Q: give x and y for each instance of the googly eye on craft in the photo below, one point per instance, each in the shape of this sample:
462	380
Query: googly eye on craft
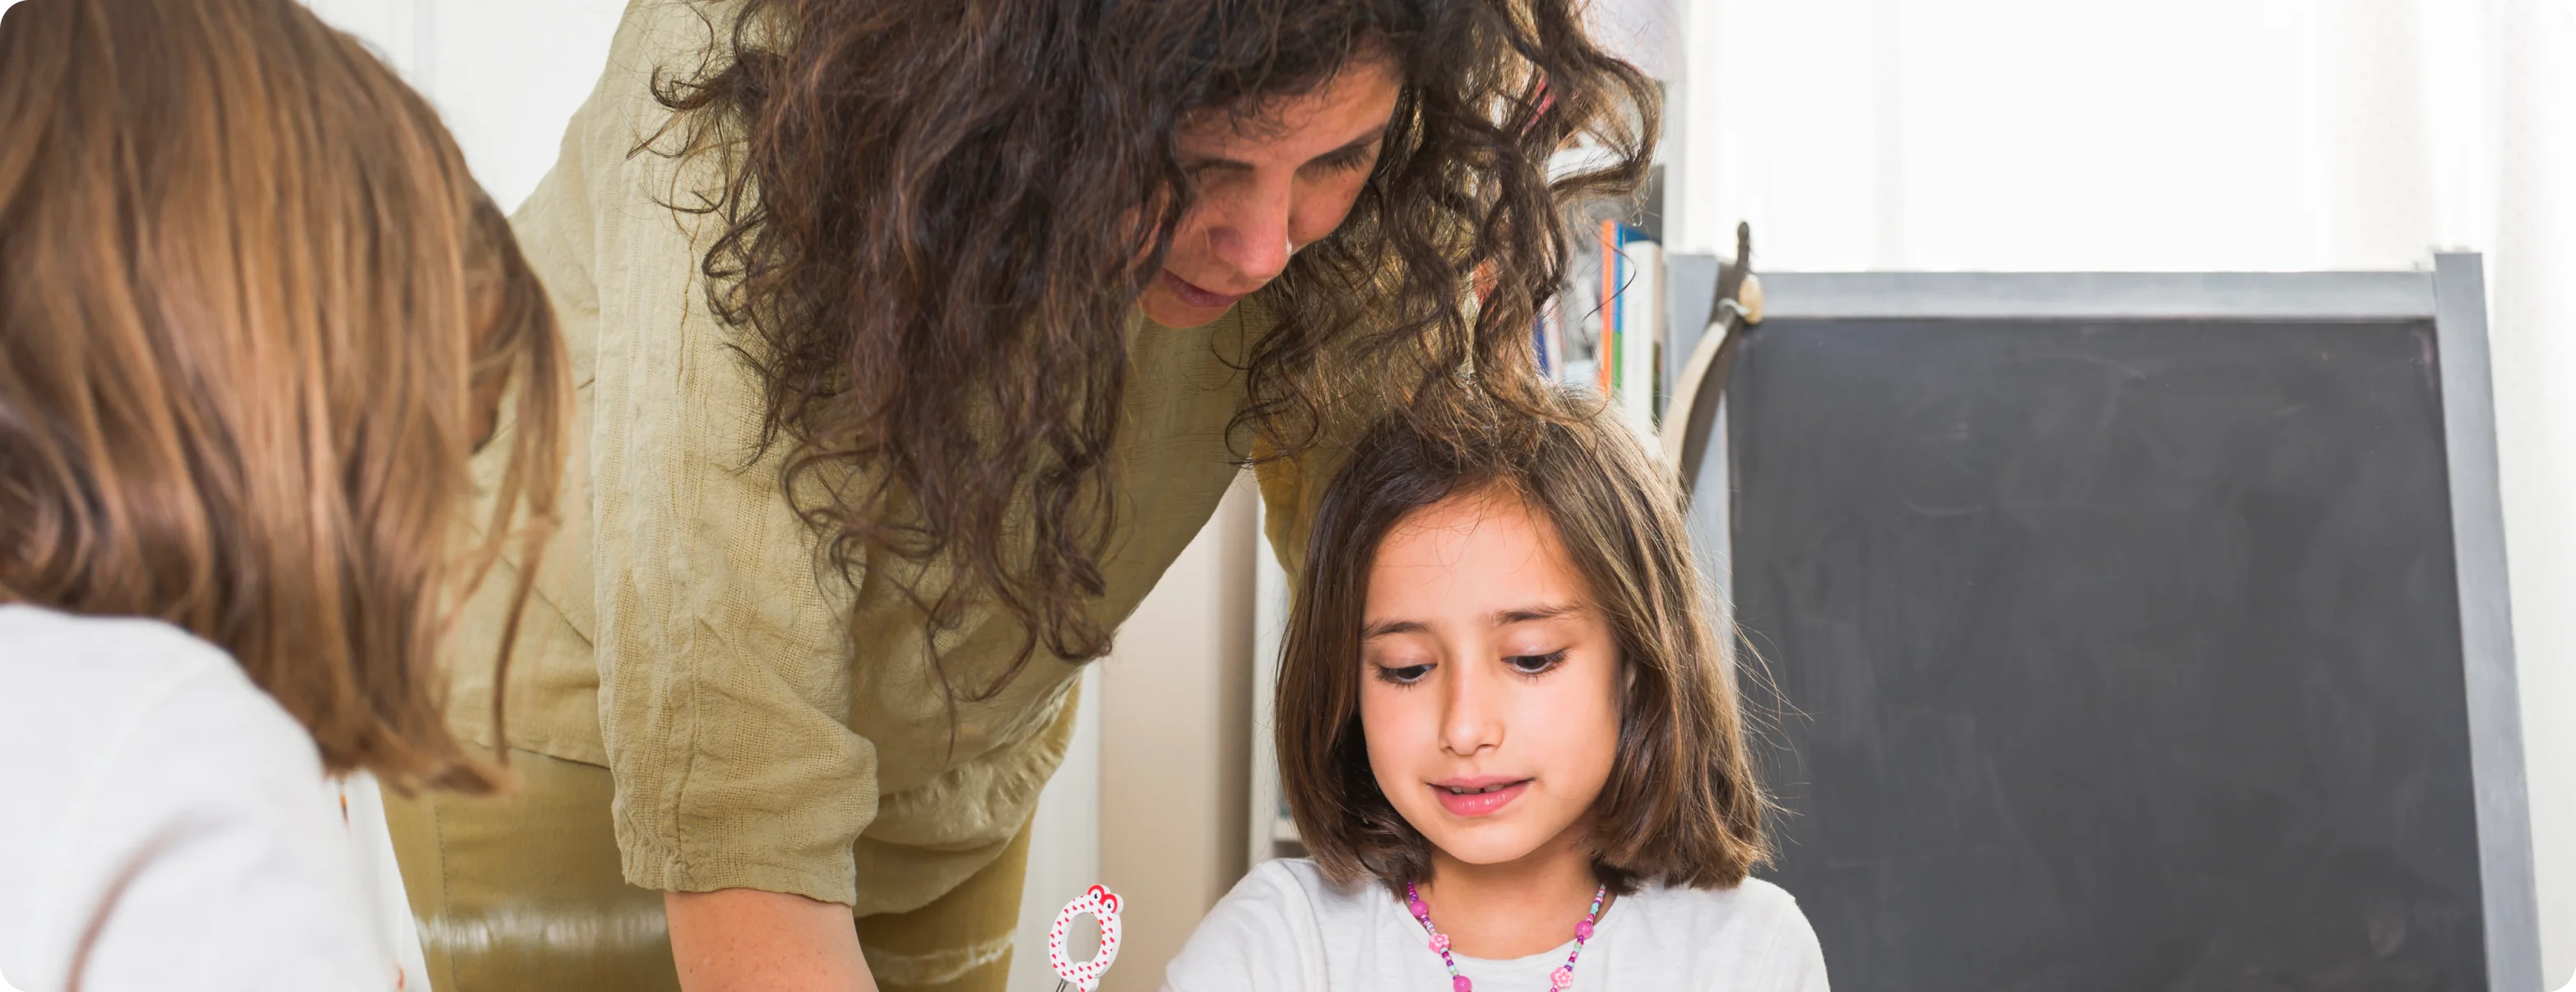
1102	905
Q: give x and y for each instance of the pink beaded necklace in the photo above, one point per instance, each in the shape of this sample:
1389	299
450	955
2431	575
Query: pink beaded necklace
1559	979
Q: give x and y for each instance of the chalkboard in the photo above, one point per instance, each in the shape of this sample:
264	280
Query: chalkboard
2130	633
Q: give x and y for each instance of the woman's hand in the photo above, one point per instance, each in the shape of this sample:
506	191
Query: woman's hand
747	940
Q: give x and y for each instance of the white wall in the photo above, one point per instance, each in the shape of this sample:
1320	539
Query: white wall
2534	329
1176	705
506	74
1064	844
2184	135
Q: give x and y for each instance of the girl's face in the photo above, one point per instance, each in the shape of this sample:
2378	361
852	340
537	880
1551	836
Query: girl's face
1268	188
1488	681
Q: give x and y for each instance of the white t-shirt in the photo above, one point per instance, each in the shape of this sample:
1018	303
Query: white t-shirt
161	808
1284	927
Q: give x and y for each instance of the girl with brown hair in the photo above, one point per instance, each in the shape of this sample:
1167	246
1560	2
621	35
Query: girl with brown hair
915	340
254	316
1509	733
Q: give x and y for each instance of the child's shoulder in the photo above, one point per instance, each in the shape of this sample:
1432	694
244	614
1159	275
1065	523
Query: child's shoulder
1753	925
1292	899
104	680
1753	895
1273	931
1301	881
1754	908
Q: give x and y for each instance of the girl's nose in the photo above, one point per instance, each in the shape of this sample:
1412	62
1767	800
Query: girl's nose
1469	721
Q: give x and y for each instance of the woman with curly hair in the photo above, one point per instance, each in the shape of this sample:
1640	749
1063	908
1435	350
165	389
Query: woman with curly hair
913	342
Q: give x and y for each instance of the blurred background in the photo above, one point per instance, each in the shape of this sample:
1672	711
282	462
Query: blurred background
1857	135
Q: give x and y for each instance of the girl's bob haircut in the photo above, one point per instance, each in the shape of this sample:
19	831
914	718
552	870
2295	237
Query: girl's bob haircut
254	315
1682	806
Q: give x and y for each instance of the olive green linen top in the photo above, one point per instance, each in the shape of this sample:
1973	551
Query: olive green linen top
769	725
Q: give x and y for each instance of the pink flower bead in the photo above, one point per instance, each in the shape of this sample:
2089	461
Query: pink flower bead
1583	930
1461	984
1562	977
1440	942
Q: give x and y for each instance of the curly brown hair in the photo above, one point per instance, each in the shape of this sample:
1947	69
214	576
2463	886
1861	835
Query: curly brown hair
938	219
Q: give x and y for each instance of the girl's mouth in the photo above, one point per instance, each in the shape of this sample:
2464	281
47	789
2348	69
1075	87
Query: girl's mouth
1478	798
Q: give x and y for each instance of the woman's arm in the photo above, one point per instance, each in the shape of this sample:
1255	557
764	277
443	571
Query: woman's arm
747	940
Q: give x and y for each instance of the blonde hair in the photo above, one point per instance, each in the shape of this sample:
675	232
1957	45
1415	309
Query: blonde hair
249	296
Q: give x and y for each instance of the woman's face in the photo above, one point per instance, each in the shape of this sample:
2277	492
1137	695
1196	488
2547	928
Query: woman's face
1487	681
1267	187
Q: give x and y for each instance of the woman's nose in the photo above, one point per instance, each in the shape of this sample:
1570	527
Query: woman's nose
1252	237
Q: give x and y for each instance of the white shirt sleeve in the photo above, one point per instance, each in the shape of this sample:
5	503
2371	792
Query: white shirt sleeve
361	802
212	864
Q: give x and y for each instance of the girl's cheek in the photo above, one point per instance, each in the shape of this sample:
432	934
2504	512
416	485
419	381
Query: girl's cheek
1598	741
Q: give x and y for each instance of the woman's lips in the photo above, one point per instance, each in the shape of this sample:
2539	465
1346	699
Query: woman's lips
1479	803
1194	296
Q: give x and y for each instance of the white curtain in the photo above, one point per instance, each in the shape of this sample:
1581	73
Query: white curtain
2189	135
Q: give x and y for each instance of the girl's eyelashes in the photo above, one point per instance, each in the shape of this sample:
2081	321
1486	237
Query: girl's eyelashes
1403	675
1535	664
1530	665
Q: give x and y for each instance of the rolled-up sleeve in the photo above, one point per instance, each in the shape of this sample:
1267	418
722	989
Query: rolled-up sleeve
723	653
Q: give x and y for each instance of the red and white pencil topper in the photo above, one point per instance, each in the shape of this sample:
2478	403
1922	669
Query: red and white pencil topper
1102	904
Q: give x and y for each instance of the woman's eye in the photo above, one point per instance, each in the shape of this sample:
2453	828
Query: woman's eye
1348	161
1406	675
1535	664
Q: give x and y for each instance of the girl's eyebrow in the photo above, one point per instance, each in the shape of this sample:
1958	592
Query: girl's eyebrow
1529	614
1384	628
1501	618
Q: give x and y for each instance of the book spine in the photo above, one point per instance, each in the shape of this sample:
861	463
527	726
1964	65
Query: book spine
1608	353
1552	321
1538	345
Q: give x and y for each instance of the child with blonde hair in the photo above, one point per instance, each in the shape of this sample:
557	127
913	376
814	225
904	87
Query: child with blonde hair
254	318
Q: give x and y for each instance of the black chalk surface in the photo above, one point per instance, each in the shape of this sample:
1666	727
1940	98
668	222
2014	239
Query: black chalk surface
2116	655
